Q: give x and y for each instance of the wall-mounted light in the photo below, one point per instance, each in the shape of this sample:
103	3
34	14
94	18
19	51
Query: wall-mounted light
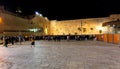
33	30
1	20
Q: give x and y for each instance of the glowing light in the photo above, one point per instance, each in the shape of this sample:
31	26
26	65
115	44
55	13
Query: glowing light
34	30
38	14
99	27
46	18
19	11
46	31
0	20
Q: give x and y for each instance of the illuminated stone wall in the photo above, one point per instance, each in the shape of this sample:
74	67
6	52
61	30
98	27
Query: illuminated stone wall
42	22
78	26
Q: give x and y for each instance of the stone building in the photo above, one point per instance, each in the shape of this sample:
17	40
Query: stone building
14	24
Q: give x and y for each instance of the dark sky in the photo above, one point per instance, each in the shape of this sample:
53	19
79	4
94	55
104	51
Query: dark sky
65	9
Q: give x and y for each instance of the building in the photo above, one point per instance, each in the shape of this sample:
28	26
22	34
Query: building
14	24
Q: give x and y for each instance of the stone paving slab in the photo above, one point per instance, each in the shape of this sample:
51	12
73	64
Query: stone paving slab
61	55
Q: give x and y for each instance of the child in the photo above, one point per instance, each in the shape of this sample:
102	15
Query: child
32	42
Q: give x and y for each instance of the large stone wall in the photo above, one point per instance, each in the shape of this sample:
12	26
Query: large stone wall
78	26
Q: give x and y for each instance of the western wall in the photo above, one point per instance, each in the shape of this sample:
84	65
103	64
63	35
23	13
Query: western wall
83	26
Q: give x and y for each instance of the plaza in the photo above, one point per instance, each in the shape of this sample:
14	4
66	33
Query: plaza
87	54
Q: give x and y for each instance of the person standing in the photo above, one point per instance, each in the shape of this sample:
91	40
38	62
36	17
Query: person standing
68	37
6	42
12	40
19	38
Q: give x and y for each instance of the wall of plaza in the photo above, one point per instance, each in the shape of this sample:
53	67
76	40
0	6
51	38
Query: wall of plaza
79	26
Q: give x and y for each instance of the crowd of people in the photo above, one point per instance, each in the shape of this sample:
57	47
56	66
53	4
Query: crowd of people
12	40
18	39
69	37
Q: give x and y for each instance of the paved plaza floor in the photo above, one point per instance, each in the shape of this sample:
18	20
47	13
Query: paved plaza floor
61	55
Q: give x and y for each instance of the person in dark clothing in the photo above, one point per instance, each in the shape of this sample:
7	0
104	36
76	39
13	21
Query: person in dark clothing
32	42
6	42
12	40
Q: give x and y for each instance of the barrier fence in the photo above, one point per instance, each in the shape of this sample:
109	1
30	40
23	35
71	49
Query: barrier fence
109	38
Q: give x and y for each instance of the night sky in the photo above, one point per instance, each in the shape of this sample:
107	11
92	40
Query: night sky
63	10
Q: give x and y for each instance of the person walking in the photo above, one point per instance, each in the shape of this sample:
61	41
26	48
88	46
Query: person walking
32	42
